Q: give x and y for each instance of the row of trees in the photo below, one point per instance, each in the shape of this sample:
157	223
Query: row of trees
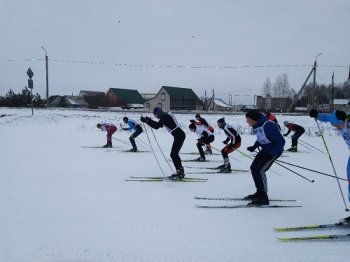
22	99
324	93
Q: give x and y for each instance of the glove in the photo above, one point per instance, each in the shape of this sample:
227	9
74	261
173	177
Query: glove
251	148
313	113
143	119
225	142
285	135
192	121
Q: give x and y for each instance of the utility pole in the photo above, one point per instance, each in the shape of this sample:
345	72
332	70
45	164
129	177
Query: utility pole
332	94
47	77
314	95
213	101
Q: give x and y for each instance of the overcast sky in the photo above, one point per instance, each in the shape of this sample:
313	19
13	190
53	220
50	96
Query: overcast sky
231	46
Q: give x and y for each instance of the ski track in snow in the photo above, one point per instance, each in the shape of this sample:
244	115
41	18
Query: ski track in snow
62	202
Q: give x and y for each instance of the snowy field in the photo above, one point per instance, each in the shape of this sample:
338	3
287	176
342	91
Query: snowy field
62	201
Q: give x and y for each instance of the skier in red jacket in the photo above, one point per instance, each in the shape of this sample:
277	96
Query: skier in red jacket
111	129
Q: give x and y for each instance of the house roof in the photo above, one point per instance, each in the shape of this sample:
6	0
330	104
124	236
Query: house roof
181	92
341	101
220	102
128	95
76	100
91	93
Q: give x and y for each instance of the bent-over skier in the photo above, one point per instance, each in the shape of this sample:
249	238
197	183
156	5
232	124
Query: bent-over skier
298	132
132	125
111	129
205	137
232	142
169	121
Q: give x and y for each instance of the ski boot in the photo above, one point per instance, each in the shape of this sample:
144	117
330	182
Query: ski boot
221	166
179	175
132	150
261	200
208	151
292	149
256	195
226	169
108	145
344	221
200	159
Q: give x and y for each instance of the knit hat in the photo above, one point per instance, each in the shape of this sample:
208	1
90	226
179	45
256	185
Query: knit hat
125	119
221	121
285	123
197	116
192	126
253	115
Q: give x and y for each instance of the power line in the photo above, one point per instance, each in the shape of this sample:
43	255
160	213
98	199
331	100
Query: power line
166	66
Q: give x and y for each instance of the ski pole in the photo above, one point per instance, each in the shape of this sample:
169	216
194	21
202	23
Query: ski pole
311	146
160	149
303	144
149	141
308	169
218	150
285	168
330	159
121	141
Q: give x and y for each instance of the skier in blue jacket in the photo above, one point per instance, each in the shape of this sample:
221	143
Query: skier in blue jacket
339	120
271	142
132	125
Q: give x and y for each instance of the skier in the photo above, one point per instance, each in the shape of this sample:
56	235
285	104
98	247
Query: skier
205	138
339	120
271	142
170	123
273	118
132	125
299	131
232	142
111	129
199	122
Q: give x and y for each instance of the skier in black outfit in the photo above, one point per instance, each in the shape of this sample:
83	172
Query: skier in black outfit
168	121
299	131
205	137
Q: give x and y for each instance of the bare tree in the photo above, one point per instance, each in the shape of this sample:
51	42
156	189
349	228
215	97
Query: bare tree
267	87
281	86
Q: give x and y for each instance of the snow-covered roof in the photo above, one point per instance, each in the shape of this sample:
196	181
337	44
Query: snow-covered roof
341	101
220	102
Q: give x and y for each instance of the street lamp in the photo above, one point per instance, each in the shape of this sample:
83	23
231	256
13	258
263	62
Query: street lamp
47	77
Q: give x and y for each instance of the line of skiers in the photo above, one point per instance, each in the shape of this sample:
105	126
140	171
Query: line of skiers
269	141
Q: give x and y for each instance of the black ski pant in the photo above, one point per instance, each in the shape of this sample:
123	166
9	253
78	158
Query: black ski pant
133	136
204	141
259	166
179	138
296	136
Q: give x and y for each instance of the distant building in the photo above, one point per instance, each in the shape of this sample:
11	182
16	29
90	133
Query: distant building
175	98
95	99
124	98
217	105
68	101
273	104
341	104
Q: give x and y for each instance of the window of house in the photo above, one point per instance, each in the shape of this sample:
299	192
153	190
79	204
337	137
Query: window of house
162	96
147	105
160	105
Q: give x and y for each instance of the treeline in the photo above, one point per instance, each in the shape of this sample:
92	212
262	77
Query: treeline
22	99
324	93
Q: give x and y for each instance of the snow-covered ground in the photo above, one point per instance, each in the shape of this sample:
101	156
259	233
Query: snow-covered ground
63	201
